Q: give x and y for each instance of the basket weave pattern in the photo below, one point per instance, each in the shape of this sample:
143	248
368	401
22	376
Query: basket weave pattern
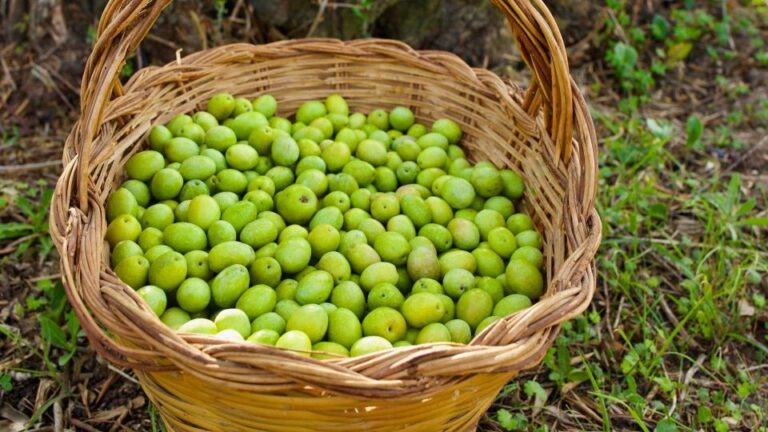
201	383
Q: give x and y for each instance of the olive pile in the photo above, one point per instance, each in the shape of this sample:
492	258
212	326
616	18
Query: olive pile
336	234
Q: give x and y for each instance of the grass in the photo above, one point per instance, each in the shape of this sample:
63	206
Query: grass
677	336
32	203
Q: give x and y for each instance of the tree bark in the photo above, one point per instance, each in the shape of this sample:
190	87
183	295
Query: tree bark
473	29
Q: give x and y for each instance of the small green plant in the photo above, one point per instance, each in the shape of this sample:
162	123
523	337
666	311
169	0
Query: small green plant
128	69
155	419
221	10
6	383
512	422
90	35
641	54
59	337
694	130
59	326
10	135
623	58
32	203
362	10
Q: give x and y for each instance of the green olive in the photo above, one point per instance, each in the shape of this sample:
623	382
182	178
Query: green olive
221	105
266	105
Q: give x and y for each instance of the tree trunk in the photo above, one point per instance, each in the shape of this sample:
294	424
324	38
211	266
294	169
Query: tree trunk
473	29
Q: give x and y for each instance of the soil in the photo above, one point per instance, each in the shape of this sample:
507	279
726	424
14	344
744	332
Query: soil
42	62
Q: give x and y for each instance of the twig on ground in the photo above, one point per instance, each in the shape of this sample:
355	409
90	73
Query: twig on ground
162	41
83	425
12	169
58	421
631	240
46	277
104	388
689	375
7	73
671	317
123	374
583	408
746	154
318	17
12	246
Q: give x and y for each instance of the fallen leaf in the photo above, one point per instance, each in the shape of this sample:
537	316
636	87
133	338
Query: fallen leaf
746	309
570	386
15	420
138	402
105	416
678	52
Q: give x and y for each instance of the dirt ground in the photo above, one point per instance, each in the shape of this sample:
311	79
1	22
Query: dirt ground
42	54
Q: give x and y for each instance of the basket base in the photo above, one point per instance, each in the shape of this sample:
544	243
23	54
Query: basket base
188	403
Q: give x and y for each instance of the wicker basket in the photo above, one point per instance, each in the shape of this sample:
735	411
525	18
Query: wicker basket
198	383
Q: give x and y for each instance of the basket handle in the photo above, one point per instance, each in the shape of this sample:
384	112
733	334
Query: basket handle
125	23
543	50
122	27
